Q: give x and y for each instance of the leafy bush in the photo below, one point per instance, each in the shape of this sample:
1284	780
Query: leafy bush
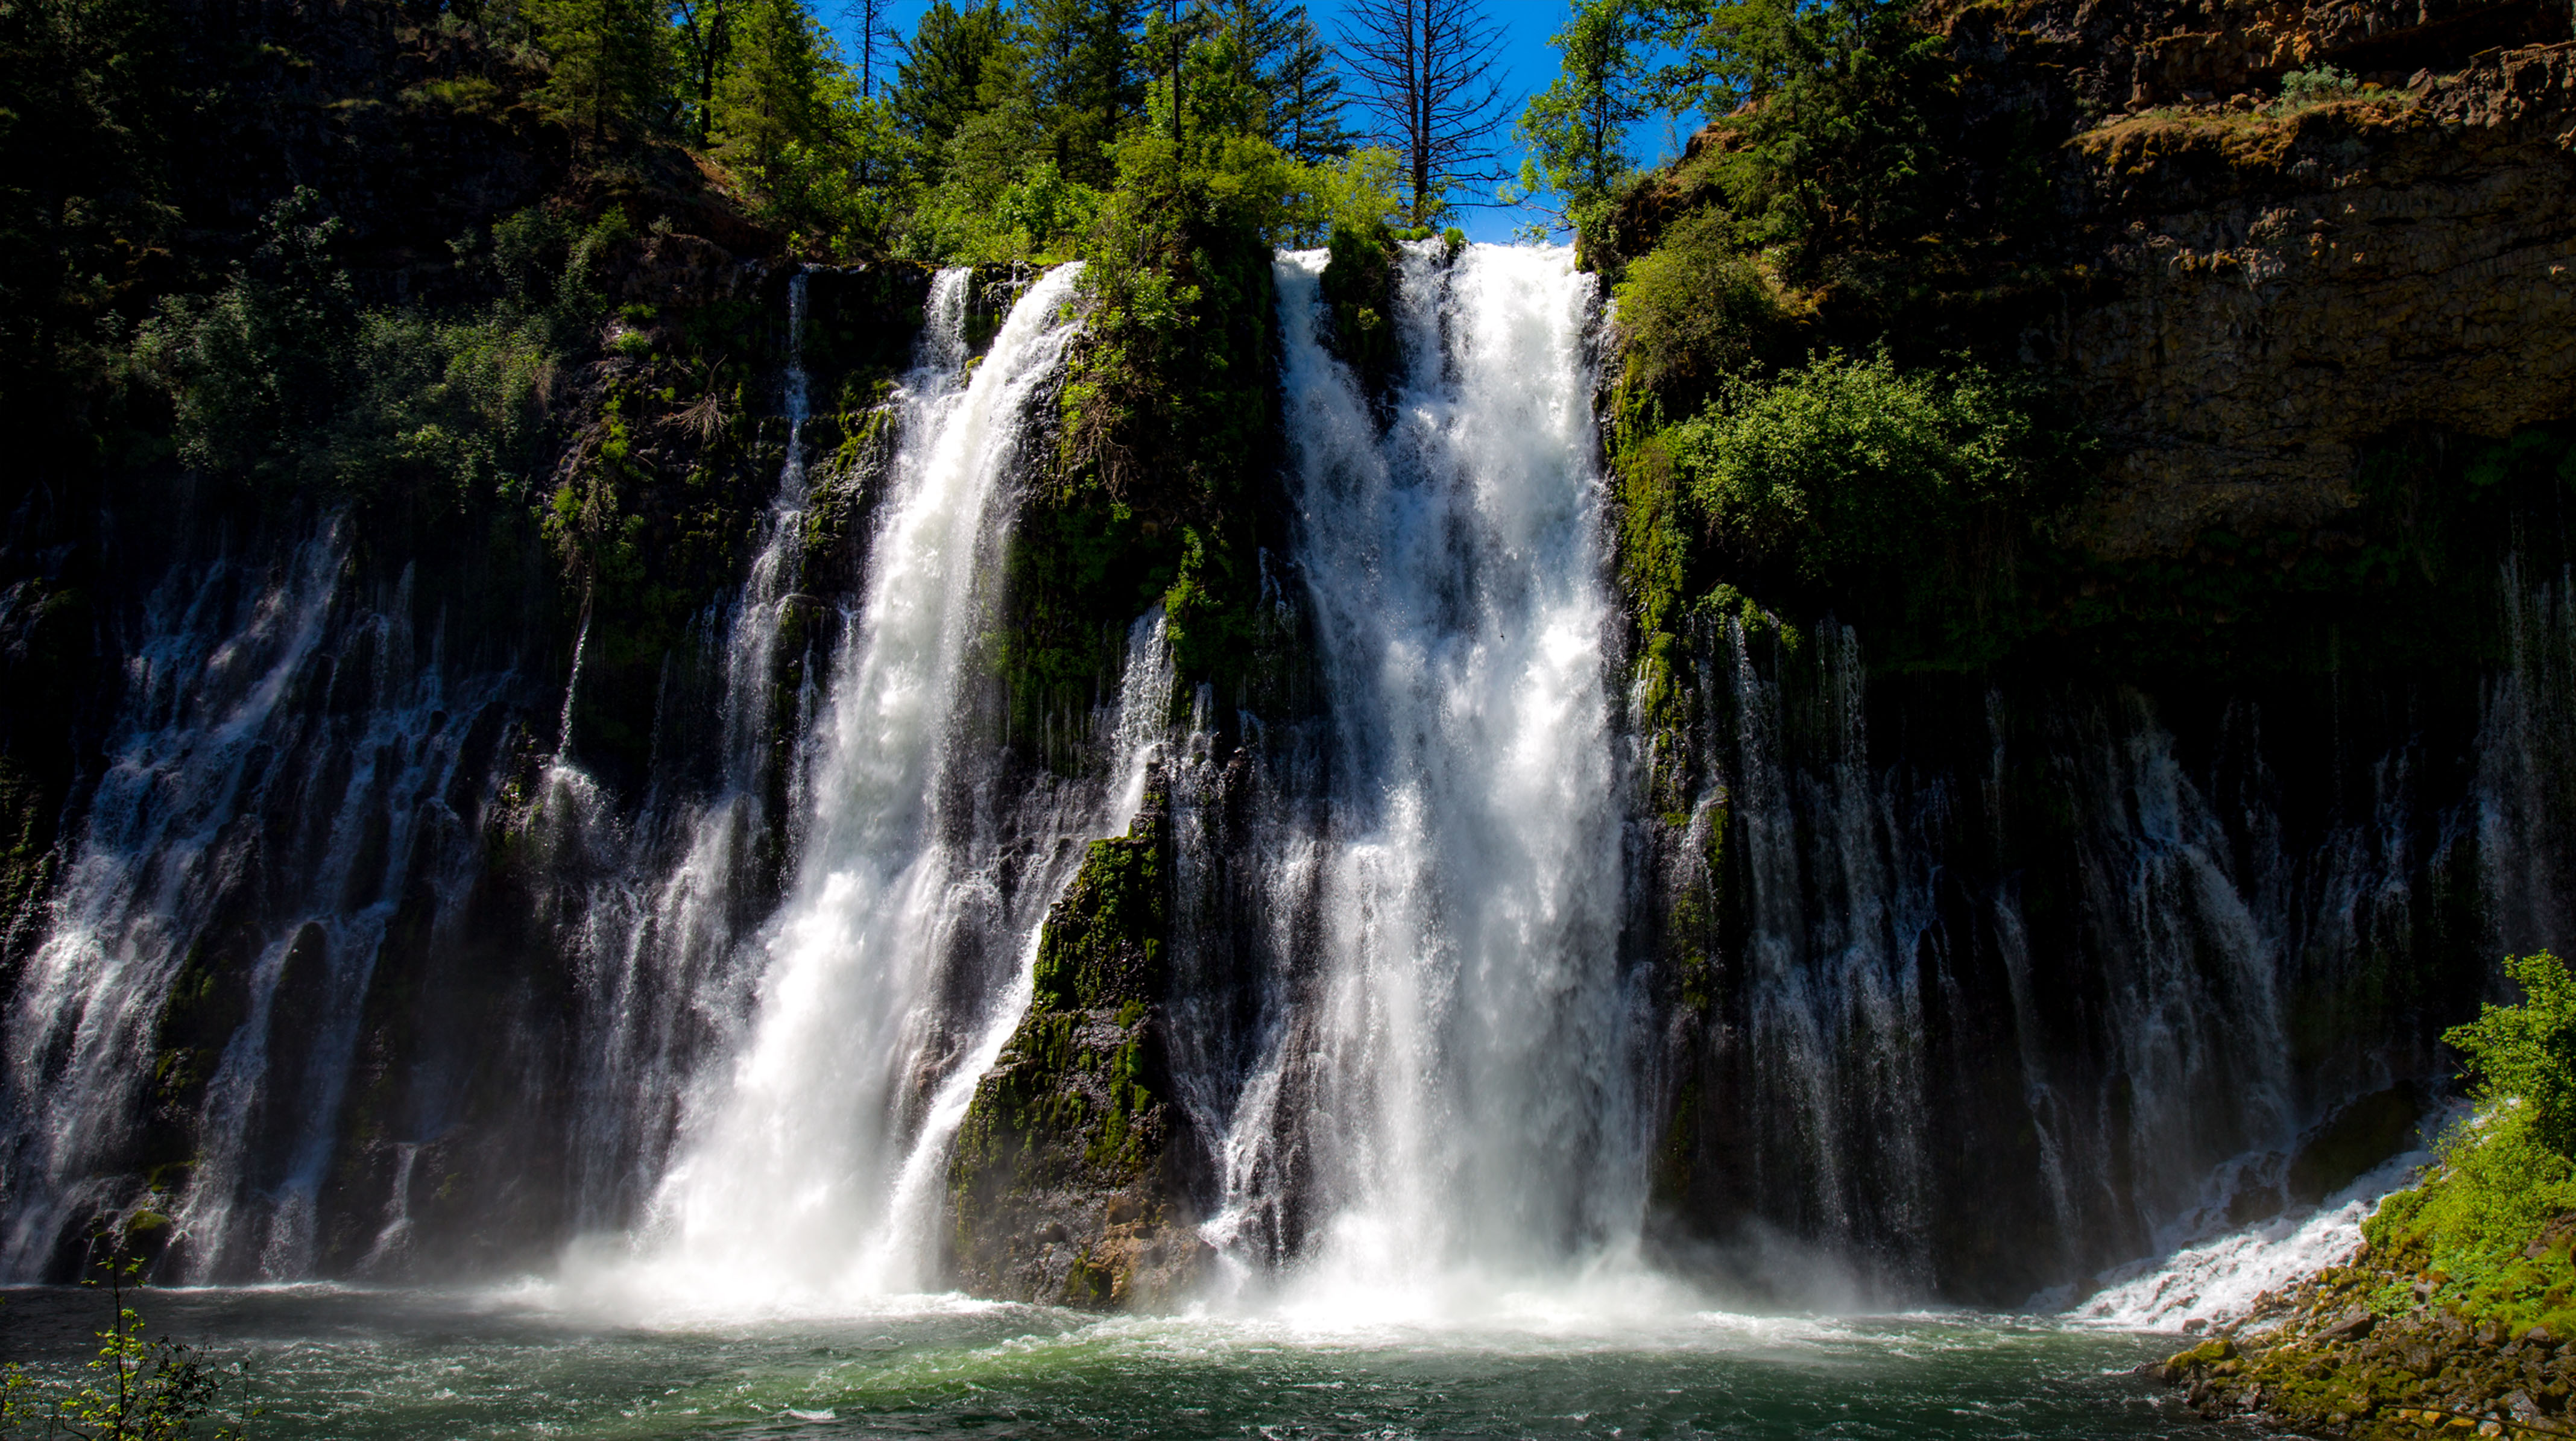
1697	307
2313	87
1840	147
253	369
2506	1174
2524	1055
1843	466
279	378
136	1389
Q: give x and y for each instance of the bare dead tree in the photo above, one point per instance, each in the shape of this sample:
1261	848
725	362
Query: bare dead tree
1426	77
869	18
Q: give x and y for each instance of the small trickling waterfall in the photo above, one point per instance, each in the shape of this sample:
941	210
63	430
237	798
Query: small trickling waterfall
1456	1078
278	788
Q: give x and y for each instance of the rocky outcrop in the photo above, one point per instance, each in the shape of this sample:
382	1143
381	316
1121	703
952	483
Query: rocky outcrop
2132	55
2367	1350
2275	292
1065	1185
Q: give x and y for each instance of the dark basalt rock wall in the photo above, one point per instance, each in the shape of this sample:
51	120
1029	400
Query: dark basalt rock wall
1071	1183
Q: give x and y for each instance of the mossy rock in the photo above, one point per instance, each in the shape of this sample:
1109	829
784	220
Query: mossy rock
1063	1186
1359	285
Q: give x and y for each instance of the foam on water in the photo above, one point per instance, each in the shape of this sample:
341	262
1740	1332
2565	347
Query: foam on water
2218	1281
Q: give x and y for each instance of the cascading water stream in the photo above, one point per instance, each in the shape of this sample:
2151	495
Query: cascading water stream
892	969
1461	1081
666	957
278	733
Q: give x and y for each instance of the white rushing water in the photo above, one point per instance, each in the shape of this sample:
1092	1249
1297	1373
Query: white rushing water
2219	1280
809	1163
1459	1087
666	956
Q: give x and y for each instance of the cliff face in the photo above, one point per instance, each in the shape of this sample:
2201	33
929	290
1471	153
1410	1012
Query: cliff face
1070	1184
2170	879
2271	294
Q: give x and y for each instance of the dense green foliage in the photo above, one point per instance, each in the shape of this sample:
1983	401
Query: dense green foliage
1839	151
1904	500
1909	492
2524	1055
1868	190
280	377
2479	1229
1697	309
1833	472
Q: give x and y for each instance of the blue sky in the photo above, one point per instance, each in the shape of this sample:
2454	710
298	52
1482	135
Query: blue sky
1528	66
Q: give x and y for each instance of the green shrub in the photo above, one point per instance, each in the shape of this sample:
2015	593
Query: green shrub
2313	87
1844	465
254	368
1842	150
2524	1055
279	378
136	1389
2506	1174
1698	307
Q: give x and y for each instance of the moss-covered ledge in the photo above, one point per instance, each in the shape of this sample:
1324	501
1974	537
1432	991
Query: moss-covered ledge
1063	1188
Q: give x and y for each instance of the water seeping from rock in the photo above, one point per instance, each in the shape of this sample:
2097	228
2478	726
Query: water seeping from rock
1969	987
276	790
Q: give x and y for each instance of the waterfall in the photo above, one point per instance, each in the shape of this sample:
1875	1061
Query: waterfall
890	972
664	951
275	795
1460	1082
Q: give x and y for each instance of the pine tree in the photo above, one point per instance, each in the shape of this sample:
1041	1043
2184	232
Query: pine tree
868	19
1082	71
702	34
783	97
1306	99
608	61
1245	44
940	73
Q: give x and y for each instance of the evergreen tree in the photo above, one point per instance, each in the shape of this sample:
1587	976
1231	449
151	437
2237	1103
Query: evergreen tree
868	18
608	61
1082	73
1306	99
1577	128
940	73
702	39
781	106
1267	72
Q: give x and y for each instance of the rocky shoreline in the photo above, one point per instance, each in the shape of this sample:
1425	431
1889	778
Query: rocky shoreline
2374	1347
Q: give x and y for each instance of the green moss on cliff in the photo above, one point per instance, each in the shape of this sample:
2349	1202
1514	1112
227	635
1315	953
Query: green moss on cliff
1059	1187
1167	424
1359	284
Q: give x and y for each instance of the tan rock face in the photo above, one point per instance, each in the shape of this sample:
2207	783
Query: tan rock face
2273	293
2138	53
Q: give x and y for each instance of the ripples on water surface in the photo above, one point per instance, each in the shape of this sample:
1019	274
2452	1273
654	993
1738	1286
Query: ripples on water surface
367	1364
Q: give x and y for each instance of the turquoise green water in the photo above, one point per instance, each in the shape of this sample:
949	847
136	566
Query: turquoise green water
367	1364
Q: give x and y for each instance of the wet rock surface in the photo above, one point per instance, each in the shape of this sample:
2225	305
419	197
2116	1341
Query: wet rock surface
1064	1186
2274	291
2369	1349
